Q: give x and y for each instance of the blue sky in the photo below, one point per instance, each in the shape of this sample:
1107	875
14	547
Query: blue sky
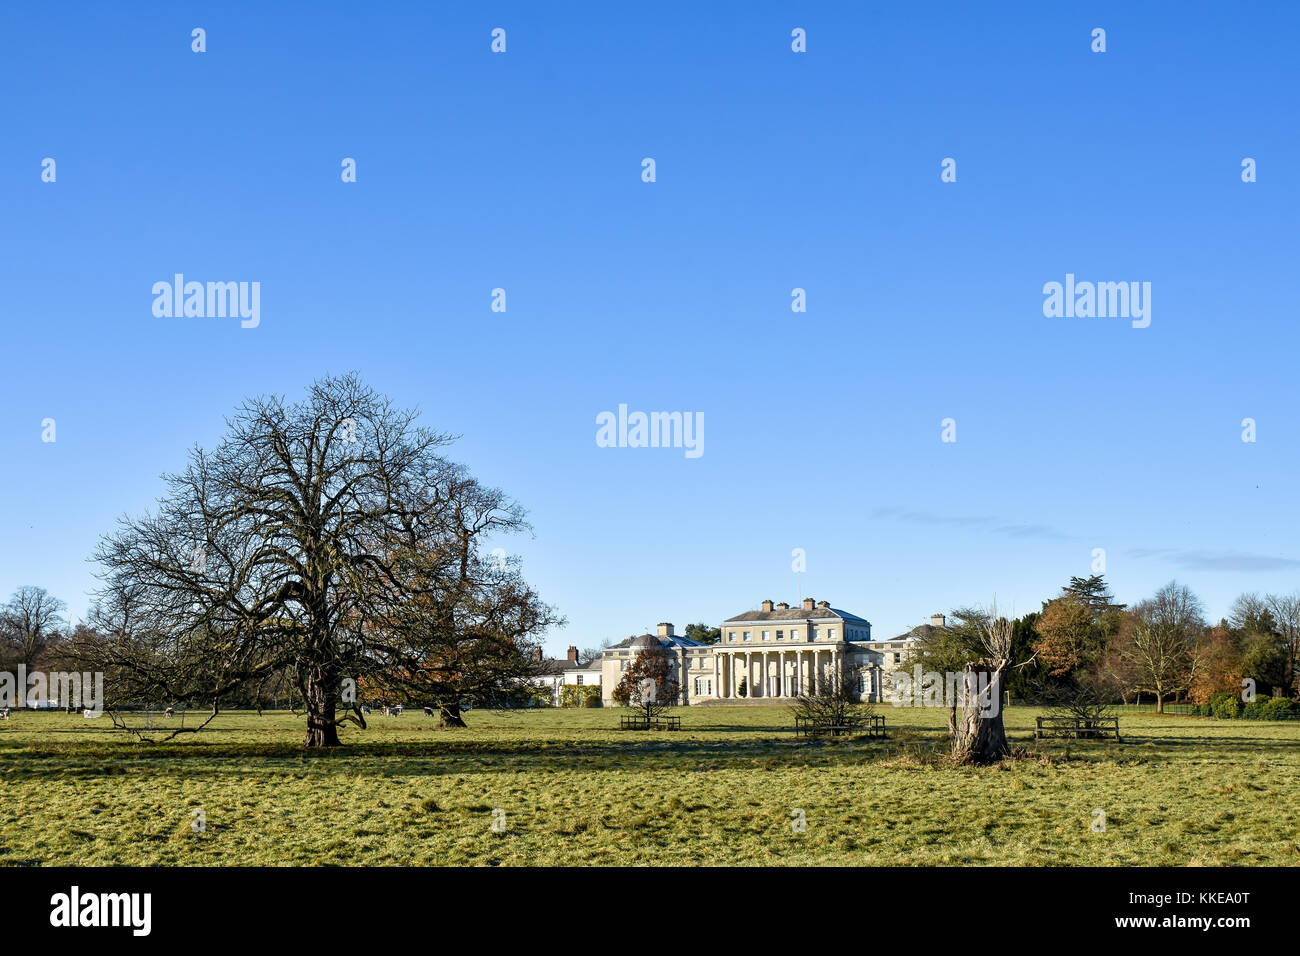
775	170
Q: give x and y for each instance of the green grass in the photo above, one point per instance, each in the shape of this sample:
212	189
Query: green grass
576	791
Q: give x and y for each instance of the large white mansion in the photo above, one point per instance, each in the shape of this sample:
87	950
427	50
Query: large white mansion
775	652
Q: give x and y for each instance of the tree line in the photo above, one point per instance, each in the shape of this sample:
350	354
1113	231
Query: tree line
1083	649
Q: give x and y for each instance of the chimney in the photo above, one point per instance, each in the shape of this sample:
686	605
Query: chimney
573	653
937	620
783	606
539	655
823	603
808	604
665	629
767	605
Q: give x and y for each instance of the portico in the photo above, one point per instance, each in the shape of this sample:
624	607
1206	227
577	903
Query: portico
774	672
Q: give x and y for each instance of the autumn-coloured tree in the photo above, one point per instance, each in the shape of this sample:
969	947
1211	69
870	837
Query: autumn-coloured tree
1219	665
648	685
1066	636
1076	627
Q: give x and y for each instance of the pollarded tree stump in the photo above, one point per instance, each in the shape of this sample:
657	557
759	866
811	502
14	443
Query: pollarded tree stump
975	724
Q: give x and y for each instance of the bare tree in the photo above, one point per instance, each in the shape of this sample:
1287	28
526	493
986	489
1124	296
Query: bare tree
279	551
590	654
1285	609
1088	693
1247	611
29	621
978	734
1157	642
833	702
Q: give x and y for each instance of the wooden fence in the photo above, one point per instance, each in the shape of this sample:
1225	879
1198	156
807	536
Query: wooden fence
1080	728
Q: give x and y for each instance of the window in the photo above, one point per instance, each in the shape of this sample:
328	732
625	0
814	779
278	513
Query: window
816	633
765	635
794	635
898	658
579	680
780	634
708	687
731	635
830	633
747	635
697	687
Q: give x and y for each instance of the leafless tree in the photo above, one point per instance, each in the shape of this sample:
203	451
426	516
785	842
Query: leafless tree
589	654
1246	610
1285	609
279	551
29	621
1157	642
833	702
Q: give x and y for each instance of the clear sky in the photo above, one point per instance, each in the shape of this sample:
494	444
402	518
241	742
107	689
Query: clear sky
775	170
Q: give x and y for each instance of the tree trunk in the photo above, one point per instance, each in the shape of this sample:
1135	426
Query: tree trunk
322	696
449	715
1160	703
978	736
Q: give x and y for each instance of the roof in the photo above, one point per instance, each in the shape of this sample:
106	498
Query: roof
798	614
556	666
918	633
650	640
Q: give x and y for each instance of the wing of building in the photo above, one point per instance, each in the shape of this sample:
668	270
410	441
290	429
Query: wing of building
555	674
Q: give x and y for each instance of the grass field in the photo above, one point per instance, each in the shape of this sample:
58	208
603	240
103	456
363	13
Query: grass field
567	788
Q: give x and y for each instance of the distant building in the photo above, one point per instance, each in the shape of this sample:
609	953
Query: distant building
777	653
684	657
556	673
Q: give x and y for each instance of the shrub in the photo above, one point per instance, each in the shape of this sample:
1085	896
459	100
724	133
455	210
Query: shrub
1253	709
1225	705
1279	708
541	697
571	695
